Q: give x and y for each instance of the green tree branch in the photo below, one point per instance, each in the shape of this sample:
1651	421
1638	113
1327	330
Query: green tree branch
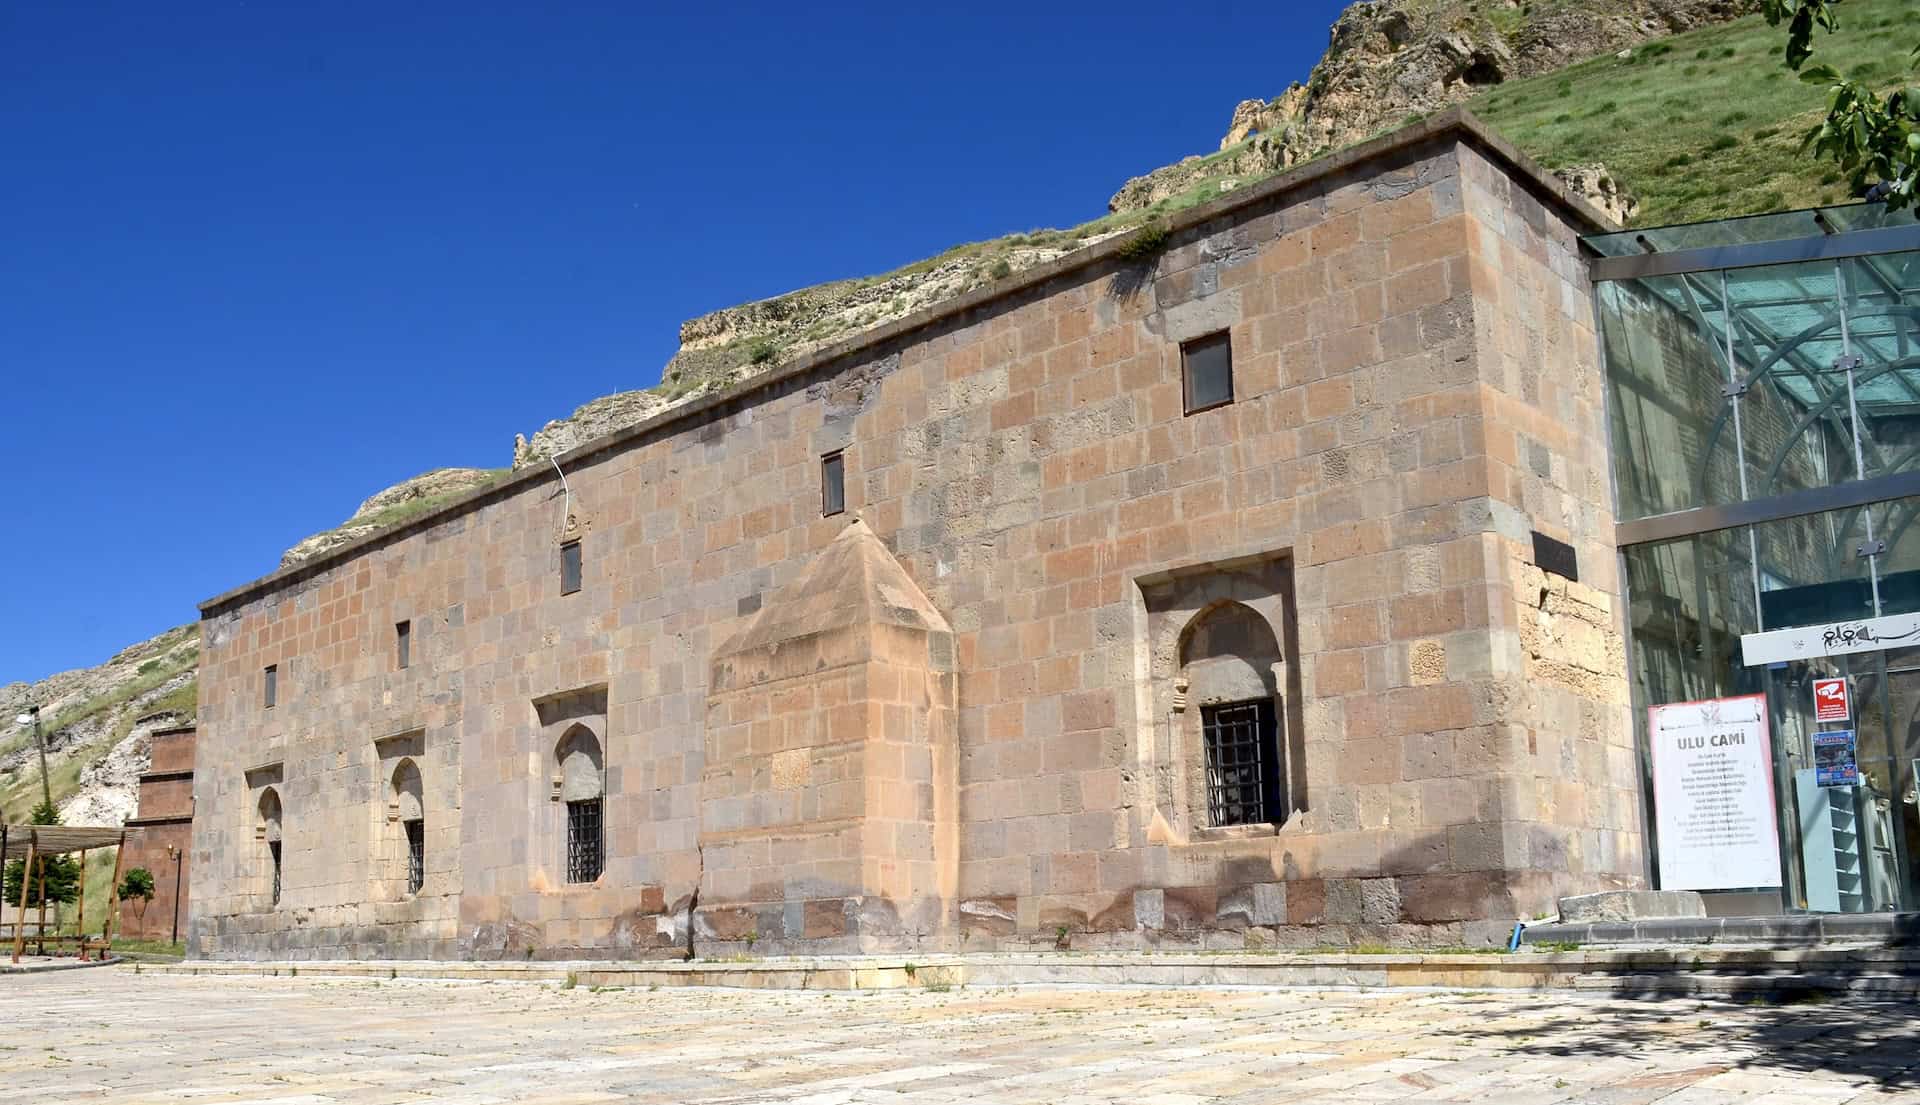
1874	139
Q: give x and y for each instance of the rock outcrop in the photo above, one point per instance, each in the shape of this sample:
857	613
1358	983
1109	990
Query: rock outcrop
406	499
1388	60
1595	184
595	419
731	344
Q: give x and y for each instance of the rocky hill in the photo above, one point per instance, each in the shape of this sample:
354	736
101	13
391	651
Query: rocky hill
396	504
1386	61
1391	59
96	722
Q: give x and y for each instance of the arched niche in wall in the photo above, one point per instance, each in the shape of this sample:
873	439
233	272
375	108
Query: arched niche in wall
409	820
1220	697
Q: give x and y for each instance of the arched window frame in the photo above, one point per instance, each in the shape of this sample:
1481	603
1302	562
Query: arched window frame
408	813
580	762
270	812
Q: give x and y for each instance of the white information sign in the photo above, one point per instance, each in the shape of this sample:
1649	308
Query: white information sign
1713	794
1803	642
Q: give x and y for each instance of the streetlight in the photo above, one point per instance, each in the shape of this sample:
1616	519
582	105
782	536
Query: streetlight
33	715
174	854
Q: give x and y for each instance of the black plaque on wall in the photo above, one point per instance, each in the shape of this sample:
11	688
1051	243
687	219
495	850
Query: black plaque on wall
1555	556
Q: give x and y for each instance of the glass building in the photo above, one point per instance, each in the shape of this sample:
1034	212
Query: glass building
1764	409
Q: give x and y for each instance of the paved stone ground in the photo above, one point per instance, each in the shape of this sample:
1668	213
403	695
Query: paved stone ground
116	1036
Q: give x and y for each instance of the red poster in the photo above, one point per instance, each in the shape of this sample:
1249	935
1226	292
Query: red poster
1830	700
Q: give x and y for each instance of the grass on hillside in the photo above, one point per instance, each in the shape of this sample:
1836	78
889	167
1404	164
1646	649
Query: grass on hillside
1707	124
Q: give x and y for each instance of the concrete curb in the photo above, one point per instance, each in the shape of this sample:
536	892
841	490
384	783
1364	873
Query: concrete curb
65	965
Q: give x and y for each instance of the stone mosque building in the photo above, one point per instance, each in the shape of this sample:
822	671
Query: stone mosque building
1261	590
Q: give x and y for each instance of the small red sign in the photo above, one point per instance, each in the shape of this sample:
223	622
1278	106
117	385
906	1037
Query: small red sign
1830	700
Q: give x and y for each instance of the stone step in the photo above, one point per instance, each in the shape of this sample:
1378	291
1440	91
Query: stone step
1783	931
1729	968
1770	986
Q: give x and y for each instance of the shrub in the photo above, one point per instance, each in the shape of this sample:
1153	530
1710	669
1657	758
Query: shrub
762	351
1146	242
1563	117
137	883
1723	142
1001	269
1732	117
62	873
1676	161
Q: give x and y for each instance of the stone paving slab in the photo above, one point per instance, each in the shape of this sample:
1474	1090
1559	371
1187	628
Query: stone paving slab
124	1037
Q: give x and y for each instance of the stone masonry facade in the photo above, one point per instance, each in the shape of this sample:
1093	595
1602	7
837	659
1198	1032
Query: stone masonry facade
997	702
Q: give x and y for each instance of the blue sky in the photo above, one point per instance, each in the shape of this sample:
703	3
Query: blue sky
260	262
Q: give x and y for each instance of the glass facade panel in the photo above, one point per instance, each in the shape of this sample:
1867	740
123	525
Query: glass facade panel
1808	373
1667	384
1778	226
1847	848
1772	386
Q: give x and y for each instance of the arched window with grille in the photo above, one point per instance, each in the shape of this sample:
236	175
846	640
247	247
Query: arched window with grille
409	813
269	833
582	791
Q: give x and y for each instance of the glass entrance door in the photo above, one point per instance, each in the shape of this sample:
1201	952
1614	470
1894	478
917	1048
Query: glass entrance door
1845	737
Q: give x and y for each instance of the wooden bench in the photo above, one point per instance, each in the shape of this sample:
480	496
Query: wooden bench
39	939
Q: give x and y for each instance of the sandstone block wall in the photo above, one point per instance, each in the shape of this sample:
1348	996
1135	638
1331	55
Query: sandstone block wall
1414	393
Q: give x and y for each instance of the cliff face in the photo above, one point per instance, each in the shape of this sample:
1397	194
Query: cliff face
1388	60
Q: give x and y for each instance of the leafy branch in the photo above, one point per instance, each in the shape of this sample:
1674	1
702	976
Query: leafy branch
1873	138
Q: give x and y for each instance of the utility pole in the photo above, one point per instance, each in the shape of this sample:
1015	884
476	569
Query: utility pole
46	788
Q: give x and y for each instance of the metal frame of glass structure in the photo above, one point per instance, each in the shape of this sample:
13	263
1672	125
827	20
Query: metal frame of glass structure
1763	397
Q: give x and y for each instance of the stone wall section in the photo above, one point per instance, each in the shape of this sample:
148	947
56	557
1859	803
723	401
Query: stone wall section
1567	781
1031	469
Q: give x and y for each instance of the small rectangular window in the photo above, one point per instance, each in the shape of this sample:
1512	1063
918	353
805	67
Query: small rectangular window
271	688
570	567
403	643
1206	368
833	484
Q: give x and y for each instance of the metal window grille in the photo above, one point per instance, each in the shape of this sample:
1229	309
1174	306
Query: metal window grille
583	840
273	849
271	691
570	567
403	643
416	854
1243	763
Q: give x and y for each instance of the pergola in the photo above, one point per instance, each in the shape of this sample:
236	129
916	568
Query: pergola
32	842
